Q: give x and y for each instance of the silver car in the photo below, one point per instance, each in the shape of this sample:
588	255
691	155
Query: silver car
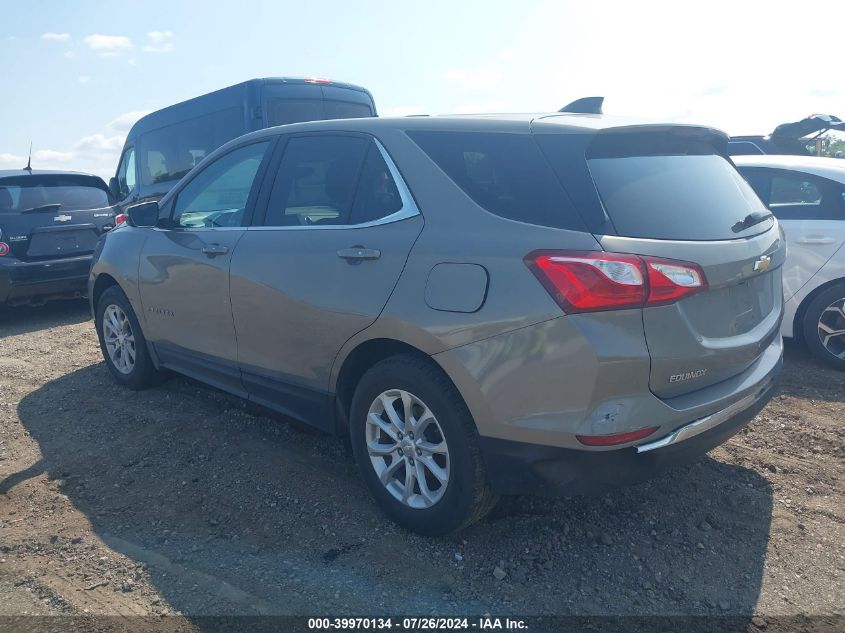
487	305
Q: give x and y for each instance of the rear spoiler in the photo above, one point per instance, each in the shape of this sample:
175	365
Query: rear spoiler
584	105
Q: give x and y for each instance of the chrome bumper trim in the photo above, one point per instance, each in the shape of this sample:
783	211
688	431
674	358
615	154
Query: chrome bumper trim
704	424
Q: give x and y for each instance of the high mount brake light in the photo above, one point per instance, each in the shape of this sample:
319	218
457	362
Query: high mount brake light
317	80
596	281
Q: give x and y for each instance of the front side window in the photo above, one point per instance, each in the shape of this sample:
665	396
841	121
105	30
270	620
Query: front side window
218	195
126	173
316	181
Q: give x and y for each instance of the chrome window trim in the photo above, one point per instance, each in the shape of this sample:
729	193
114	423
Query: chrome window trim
408	210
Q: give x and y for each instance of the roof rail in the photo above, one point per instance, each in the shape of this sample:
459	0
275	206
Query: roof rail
585	105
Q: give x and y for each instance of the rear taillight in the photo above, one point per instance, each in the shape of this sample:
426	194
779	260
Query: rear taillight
120	218
595	281
4	249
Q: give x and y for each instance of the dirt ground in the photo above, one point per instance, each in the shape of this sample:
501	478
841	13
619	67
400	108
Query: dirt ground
184	500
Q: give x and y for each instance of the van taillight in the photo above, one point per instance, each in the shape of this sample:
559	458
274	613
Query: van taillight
120	218
4	249
596	281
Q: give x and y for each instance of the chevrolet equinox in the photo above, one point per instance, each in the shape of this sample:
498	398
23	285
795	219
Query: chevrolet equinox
486	305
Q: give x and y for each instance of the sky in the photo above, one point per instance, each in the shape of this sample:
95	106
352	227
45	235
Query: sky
76	75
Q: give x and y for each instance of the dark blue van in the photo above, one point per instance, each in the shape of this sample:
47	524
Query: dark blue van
164	145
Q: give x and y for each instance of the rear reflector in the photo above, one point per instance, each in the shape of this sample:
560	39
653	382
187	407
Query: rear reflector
595	281
616	438
4	249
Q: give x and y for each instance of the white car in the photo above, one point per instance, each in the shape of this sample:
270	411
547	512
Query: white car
807	195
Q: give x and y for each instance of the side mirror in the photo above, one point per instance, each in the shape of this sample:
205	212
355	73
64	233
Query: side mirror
114	187
143	215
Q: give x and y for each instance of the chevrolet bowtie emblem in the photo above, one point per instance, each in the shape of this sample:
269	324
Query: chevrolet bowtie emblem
762	264
62	218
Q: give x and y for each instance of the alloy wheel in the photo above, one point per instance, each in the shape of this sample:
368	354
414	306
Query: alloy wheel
119	339
832	328
407	448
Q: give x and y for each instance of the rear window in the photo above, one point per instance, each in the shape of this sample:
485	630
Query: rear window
30	192
689	197
282	111
506	174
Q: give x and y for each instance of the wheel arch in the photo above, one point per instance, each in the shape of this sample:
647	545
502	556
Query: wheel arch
798	320
358	361
103	282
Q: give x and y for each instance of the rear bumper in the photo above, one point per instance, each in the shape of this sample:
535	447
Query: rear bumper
24	281
517	468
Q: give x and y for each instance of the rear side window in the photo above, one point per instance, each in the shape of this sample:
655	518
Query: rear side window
316	181
506	174
376	195
70	193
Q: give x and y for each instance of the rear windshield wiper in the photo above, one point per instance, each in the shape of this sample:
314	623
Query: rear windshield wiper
44	207
755	217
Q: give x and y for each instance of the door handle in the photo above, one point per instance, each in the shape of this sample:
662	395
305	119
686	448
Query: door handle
212	250
815	239
359	253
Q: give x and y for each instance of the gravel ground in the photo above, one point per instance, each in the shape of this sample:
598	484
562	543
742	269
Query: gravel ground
184	500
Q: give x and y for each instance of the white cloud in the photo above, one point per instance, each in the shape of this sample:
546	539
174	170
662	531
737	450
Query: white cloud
482	78
132	61
84	79
69	54
11	161
99	143
51	156
159	42
122	123
110	43
55	37
96	154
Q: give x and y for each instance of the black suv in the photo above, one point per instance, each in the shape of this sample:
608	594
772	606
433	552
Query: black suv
49	224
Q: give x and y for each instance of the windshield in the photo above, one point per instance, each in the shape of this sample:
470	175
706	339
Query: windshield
71	192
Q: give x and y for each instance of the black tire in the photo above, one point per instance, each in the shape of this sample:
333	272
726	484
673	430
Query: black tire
143	374
810	326
467	497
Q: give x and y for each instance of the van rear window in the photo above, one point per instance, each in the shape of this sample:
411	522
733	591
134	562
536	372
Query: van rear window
506	174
